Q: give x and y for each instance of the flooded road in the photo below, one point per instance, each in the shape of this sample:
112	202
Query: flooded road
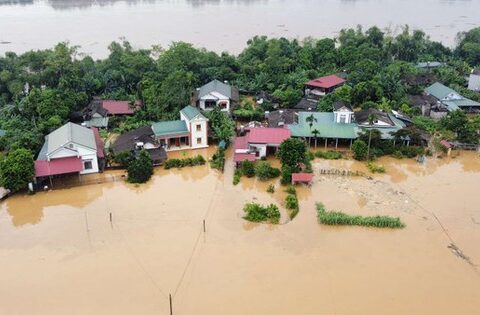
60	254
219	25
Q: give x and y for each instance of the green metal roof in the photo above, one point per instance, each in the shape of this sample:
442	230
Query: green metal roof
191	112
328	128
325	124
439	90
169	128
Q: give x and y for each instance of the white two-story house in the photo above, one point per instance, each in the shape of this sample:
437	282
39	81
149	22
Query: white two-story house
190	132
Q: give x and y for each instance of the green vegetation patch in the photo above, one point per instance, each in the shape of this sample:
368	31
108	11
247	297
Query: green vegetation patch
264	171
376	168
329	155
179	163
340	218
291	202
255	212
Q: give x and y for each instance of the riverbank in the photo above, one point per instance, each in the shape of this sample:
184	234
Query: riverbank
60	246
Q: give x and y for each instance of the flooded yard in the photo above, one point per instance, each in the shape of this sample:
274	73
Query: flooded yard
61	254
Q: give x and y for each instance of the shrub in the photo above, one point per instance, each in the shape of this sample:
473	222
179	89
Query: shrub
258	213
286	178
140	169
179	163
360	150
247	168
264	171
236	177
340	218
375	168
398	154
271	188
291	190
329	155
412	151
218	159
123	158
291	202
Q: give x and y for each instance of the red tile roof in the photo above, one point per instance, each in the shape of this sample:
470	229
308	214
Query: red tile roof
326	82
446	144
120	107
240	157
58	166
241	143
302	177
99	143
267	135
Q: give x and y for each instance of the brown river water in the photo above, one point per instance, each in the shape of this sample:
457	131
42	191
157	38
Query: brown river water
219	25
60	254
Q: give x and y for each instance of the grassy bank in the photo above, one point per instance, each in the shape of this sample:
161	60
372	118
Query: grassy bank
340	218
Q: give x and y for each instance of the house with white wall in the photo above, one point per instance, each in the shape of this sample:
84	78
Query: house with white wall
215	94
474	81
70	149
342	113
190	132
257	143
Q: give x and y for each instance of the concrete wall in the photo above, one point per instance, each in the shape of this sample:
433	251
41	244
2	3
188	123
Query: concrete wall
262	148
474	82
201	134
194	134
348	116
86	154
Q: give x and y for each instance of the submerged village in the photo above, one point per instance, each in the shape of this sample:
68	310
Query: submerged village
156	170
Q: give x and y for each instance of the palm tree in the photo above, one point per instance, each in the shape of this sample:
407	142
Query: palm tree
310	120
371	120
315	133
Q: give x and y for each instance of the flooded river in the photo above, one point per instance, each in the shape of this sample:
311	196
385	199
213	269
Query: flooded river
216	24
60	254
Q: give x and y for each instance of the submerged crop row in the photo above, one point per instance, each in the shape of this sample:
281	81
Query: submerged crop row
340	218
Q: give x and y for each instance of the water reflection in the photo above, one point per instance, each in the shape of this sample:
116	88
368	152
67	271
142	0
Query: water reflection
24	209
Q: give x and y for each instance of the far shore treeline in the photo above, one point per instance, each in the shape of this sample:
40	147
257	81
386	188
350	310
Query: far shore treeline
40	90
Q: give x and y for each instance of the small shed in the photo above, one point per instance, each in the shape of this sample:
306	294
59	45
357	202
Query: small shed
304	178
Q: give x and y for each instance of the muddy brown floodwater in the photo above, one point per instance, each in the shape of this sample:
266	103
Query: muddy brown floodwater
60	254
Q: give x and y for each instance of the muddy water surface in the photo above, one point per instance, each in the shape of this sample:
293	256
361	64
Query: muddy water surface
60	254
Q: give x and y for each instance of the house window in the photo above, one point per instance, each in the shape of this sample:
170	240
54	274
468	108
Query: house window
87	165
199	140
343	118
199	127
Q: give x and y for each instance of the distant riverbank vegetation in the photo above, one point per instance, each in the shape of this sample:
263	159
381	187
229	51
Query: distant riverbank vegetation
41	90
340	218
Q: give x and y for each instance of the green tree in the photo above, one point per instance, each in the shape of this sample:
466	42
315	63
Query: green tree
247	168
469	46
360	150
140	169
291	152
16	169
